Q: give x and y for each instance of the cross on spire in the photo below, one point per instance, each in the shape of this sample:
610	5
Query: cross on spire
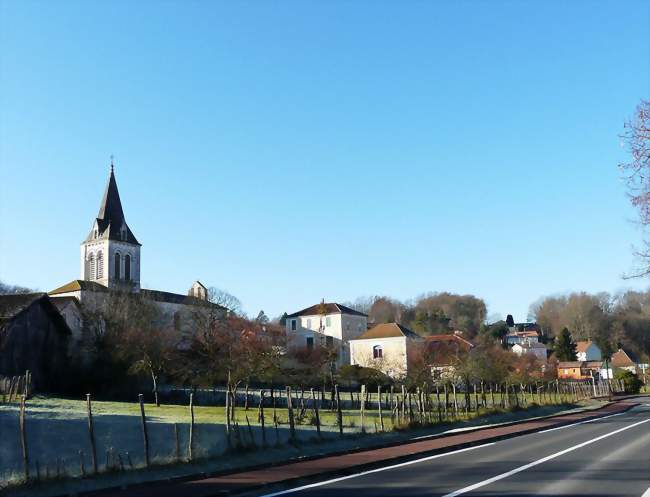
112	163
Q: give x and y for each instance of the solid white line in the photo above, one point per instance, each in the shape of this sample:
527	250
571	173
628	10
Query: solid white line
539	461
646	493
581	423
400	465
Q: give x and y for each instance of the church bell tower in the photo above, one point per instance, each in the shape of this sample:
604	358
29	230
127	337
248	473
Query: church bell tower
110	255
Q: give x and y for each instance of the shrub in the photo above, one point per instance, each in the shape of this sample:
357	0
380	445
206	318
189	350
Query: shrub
631	382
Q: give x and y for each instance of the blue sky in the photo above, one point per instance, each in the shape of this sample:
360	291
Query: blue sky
289	151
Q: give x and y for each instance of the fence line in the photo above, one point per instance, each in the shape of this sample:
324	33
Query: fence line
13	387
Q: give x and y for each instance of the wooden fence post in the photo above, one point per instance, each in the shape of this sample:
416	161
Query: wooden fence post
316	412
362	406
260	417
191	437
292	426
339	413
91	433
145	436
23	438
381	417
177	446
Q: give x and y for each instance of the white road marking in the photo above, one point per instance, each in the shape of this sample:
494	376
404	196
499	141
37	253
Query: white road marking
540	461
646	493
407	463
581	423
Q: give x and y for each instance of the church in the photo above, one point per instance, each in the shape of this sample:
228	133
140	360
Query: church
110	261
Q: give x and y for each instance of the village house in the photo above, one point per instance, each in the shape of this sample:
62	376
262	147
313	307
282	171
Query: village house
580	370
515	336
445	351
328	325
625	359
539	350
586	350
386	347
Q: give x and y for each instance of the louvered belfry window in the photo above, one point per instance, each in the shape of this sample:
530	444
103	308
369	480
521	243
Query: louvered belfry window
100	265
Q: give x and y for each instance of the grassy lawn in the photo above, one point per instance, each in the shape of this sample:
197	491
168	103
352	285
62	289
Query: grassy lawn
60	408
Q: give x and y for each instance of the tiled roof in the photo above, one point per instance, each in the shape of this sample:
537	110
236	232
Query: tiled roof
388	330
79	285
583	345
570	364
326	308
449	339
623	358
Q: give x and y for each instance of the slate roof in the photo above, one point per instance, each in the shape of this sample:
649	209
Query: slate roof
79	285
388	330
326	308
13	304
111	216
171	298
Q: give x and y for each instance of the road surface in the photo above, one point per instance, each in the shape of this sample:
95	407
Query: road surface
605	457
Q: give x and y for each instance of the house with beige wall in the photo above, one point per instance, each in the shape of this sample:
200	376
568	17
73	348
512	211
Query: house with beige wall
386	347
327	324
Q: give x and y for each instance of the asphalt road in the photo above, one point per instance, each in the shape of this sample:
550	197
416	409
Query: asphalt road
606	457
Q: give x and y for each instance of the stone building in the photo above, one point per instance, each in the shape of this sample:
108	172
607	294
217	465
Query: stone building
110	261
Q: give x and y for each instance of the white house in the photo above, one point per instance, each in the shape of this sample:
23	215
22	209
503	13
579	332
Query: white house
535	348
386	347
587	350
326	324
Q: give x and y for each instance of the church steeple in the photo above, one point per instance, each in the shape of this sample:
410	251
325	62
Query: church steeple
111	224
111	243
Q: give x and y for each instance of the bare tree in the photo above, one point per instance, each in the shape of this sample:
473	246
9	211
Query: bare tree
11	289
636	138
225	299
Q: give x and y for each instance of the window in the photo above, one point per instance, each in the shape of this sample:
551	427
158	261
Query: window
95	233
310	343
293	325
329	341
123	234
309	324
100	265
127	267
377	352
117	266
328	322
91	267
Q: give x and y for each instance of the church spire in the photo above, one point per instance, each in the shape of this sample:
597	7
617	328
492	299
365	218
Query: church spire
111	223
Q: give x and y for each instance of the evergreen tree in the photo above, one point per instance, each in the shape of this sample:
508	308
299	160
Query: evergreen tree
565	347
